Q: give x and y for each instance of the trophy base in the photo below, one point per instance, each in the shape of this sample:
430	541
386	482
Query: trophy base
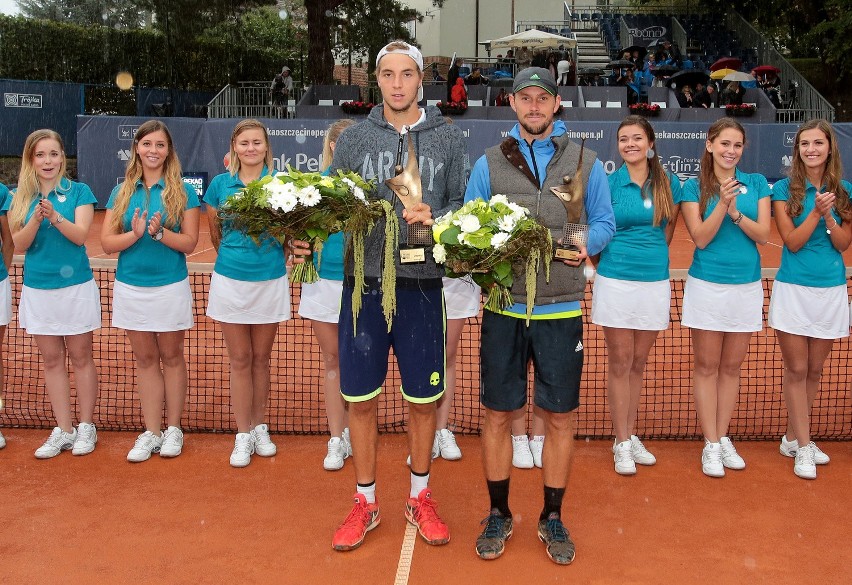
412	255
566	254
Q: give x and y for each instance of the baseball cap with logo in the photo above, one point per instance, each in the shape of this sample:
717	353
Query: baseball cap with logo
535	77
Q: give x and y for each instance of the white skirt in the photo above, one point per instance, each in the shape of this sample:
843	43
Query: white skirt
461	297
631	304
320	300
5	302
152	308
60	311
248	302
731	308
822	313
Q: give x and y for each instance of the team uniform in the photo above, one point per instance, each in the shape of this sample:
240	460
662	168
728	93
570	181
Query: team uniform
320	300
151	290
723	291
5	286
249	281
632	288
809	296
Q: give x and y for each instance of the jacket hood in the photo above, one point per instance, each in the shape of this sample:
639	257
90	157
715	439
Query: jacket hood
460	81
559	129
434	118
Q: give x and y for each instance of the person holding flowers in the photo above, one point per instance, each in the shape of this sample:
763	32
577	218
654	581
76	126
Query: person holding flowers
249	294
545	328
416	331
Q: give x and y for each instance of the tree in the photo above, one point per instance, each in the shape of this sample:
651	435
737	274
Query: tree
113	13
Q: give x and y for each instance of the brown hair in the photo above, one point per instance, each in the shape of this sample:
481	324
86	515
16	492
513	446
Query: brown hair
832	174
28	185
331	135
709	186
242	126
658	182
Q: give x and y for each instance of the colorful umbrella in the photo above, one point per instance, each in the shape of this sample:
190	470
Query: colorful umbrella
717	75
726	63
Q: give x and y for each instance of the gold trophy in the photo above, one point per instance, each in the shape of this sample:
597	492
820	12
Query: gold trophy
570	193
407	185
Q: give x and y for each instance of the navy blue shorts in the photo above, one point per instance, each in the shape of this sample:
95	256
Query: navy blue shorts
555	348
417	336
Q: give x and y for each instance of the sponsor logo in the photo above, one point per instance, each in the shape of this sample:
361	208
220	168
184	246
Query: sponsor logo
789	139
579	347
197	181
787	160
22	100
127	131
652	32
124	154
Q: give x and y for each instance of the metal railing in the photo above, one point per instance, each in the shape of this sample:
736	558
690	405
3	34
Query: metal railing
251	99
679	37
803	101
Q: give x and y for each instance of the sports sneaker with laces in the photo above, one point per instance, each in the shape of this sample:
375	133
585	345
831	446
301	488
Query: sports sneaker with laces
805	466
172	442
537	448
447	447
2	441
788	449
711	460
56	443
346	442
335	456
146	443
730	458
560	547
87	437
363	518
623	458
243	450
263	445
422	511
521	455
641	455
491	543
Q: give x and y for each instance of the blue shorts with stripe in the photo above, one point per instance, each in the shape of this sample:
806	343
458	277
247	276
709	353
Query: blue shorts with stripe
417	336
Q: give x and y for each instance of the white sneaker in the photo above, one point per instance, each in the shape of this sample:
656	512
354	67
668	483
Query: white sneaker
805	466
730	458
2	441
336	454
263	445
346	442
447	446
788	449
243	449
172	442
87	437
537	448
56	443
711	460
641	455
521	455
146	443
623	458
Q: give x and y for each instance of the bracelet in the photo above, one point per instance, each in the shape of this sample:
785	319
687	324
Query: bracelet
59	219
738	219
828	229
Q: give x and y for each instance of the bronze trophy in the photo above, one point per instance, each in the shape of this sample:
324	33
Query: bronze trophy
570	193
407	186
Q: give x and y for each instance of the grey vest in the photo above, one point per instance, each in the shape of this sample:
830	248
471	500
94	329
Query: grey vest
511	176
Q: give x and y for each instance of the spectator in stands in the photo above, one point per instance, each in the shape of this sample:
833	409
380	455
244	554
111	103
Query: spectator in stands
563	71
707	97
726	213
49	217
508	63
809	308
152	222
685	98
673	52
632	291
699	63
8	248
452	76
459	93
502	98
688	63
552	65
635	59
523	59
476	77
249	294
771	86
436	76
732	95
539	59
281	90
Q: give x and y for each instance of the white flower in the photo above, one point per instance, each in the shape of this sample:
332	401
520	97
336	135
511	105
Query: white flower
439	253
507	223
468	223
280	174
349	182
499	199
517	211
462	238
357	191
499	239
445	219
283	201
309	196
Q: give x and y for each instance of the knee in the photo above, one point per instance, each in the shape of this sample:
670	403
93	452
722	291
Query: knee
560	422
240	360
53	359
796	372
498	419
81	358
173	359
619	365
260	360
330	360
361	409
423	409
706	368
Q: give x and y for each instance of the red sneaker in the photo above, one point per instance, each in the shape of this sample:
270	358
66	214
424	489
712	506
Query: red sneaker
363	518
423	513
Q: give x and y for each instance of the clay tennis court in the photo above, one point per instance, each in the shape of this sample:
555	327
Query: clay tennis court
197	520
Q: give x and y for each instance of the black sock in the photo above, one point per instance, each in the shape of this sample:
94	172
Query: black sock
552	502
498	491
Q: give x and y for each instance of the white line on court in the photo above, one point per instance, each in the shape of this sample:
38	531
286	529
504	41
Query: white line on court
403	568
199	252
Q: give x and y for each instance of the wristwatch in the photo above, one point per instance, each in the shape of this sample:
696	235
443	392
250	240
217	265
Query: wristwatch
59	219
158	235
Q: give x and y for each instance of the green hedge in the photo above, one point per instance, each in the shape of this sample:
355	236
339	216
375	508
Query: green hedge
50	51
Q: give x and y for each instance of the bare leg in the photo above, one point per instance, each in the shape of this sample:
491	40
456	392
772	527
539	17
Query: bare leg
707	348
335	405
445	403
643	341
538	424
85	373
262	340
496	443
619	349
52	348
150	378
421	435
519	422
238	342
734	349
174	374
364	434
558	448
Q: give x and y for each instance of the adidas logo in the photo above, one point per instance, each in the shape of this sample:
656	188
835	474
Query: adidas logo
579	347
535	76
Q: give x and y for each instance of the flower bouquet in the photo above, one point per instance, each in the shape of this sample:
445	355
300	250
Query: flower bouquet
739	110
357	108
452	108
644	109
490	240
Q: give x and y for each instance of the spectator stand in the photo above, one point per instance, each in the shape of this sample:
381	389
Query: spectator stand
323	101
249	99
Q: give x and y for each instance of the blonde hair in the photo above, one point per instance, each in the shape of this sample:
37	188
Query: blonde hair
28	185
832	174
242	126
658	181
709	186
331	135
174	195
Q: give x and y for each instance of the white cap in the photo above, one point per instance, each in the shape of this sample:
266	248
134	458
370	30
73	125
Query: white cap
411	51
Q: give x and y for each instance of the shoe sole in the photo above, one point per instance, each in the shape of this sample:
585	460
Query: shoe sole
490	556
240	464
542	539
52	455
170	455
734	467
645	462
705	472
452	458
626	472
435	542
346	547
271	454
331	468
82	452
524	466
803	475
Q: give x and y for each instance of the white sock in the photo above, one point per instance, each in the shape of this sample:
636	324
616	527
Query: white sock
418	484
538	438
368	491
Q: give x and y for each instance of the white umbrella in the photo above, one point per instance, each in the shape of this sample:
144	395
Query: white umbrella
738	76
533	38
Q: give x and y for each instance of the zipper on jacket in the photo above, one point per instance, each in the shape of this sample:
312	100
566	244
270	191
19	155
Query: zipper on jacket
537	178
